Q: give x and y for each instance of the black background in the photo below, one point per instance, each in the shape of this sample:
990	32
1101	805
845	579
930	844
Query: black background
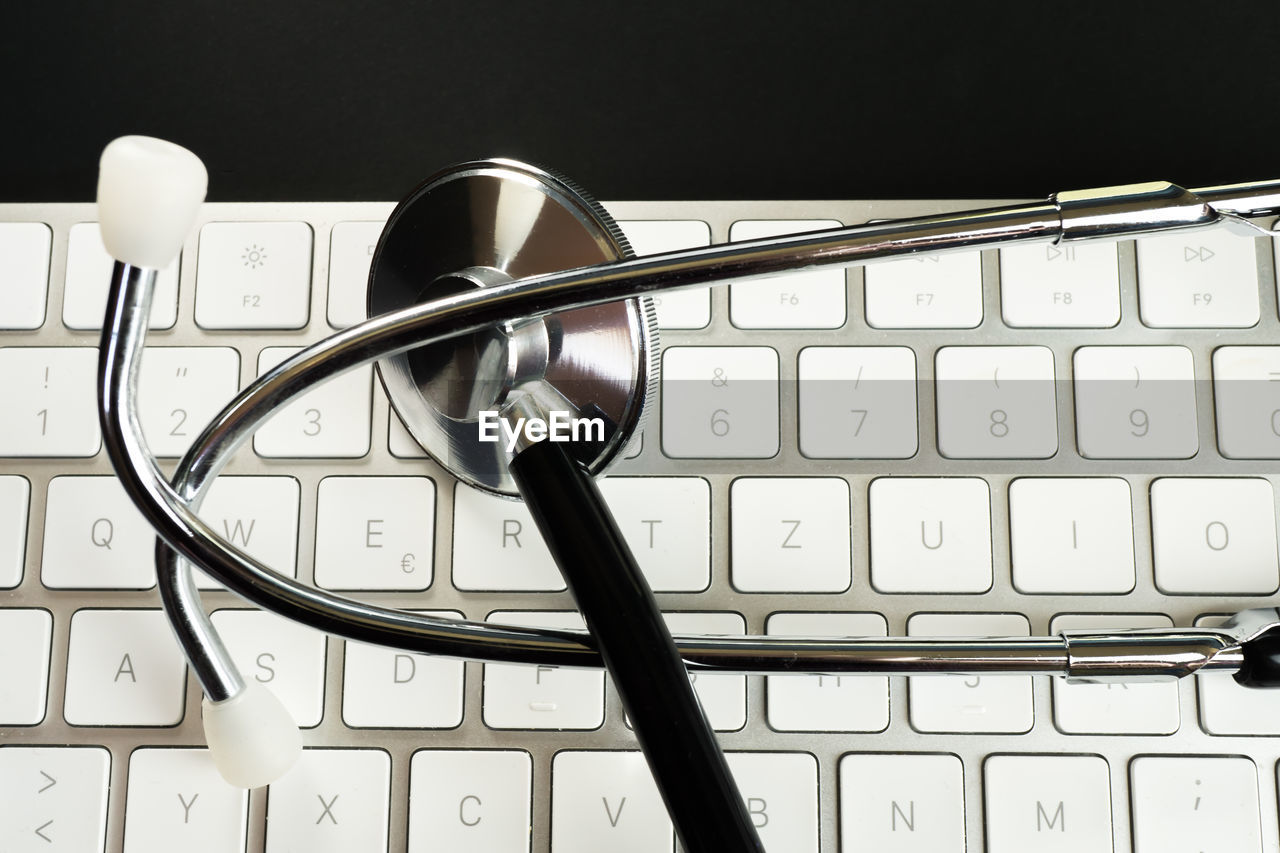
355	100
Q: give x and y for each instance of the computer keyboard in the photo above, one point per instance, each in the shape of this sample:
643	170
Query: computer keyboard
1003	442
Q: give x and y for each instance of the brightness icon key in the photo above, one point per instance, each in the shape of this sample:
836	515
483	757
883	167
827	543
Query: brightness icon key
254	256
254	275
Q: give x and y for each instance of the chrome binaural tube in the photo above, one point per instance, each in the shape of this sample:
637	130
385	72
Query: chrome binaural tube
1109	214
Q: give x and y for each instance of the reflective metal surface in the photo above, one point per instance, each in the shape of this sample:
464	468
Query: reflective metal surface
486	223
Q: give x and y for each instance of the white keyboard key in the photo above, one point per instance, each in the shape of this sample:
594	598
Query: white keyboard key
1048	803
606	801
781	793
1227	708
901	804
858	402
790	534
683	309
333	420
258	515
332	801
1140	708
177	801
15	497
930	534
996	403
54	798
496	545
180	390
1071	535
469	800
667	525
51	401
814	299
723	696
1203	278
351	247
286	657
375	533
25	635
254	275
827	703
542	697
124	669
84	300
388	688
720	402
400	443
1195	804
970	703
94	538
1075	285
1246	393
1214	535
24	269
1135	403
934	292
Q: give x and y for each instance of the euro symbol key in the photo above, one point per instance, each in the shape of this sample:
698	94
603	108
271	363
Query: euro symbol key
406	564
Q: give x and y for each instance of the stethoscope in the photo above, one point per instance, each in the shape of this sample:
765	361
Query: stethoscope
500	287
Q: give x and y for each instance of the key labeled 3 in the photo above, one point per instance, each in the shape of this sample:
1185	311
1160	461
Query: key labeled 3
332	420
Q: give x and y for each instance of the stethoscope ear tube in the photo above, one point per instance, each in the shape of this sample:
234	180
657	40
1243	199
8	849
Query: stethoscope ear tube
618	606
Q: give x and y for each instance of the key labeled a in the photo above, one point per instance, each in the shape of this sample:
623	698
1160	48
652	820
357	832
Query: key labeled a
123	669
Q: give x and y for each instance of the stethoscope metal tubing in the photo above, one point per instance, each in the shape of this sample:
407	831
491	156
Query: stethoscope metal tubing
1079	217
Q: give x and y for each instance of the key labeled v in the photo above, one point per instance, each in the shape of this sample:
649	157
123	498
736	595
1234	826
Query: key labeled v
613	816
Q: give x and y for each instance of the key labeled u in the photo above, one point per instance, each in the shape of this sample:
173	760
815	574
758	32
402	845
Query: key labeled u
924	535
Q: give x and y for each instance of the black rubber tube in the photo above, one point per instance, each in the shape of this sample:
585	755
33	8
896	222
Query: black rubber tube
692	775
1261	667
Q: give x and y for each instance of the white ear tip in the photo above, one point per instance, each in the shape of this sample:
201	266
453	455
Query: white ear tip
149	192
251	737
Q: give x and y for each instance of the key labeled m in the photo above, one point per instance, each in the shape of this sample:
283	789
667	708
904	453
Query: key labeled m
1057	821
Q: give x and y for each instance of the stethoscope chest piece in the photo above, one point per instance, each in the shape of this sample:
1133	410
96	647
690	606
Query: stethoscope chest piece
486	223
